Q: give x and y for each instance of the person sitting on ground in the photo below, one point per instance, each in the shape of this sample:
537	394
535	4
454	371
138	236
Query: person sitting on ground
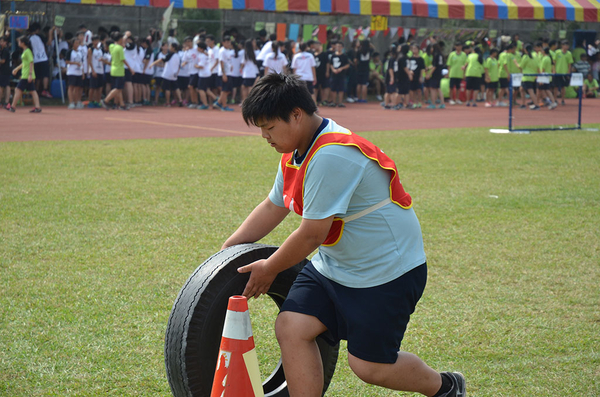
590	87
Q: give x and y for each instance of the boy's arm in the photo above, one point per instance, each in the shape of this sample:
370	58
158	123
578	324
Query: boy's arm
261	221
156	62
302	242
126	64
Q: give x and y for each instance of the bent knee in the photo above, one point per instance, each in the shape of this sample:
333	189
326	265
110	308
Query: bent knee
367	371
297	326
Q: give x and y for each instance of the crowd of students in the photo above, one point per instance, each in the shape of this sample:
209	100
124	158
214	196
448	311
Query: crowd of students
118	70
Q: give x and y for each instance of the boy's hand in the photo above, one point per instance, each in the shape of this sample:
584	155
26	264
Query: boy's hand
260	278
29	79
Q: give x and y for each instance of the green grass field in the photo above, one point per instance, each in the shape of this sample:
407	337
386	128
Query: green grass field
97	238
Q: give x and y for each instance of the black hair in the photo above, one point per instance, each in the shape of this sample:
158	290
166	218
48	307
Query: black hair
188	38
175	47
310	42
404	49
272	37
477	51
102	29
275	97
564	42
262	33
201	30
95	37
552	42
528	48
116	36
34	26
82	26
538	43
211	37
25	40
275	47
303	47
226	38
171	32
202	45
494	50
63	53
115	28
375	54
249	51
365	46
547	52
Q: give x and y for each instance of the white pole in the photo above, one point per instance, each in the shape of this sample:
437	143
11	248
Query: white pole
62	93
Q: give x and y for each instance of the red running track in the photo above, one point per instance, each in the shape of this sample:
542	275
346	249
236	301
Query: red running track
60	123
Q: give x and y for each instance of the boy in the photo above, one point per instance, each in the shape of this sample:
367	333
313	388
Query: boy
4	72
562	61
368	274
95	55
590	87
456	60
304	65
204	76
417	66
491	77
171	66
117	72
224	71
339	64
322	69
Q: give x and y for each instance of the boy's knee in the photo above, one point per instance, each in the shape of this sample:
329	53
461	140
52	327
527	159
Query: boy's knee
366	371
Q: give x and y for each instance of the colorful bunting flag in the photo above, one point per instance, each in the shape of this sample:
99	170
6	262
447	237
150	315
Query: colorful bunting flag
294	31
393	32
281	31
270	27
259	26
322	35
307	33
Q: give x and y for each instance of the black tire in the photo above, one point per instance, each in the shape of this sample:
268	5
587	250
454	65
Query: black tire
196	322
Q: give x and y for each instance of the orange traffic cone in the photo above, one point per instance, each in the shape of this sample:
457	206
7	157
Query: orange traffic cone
237	373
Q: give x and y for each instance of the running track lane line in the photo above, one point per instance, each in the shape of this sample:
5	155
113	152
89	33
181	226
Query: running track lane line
194	127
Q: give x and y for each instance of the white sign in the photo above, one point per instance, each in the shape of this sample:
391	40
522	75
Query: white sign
516	79
543	79
576	80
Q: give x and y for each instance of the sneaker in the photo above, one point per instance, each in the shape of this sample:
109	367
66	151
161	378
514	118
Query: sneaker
72	106
79	105
379	98
226	109
91	105
349	100
459	385
173	102
192	106
469	104
431	106
341	105
10	108
437	101
553	106
217	104
126	107
103	104
332	104
362	101
442	106
459	102
35	110
522	107
185	102
399	106
387	107
451	102
474	105
562	103
488	105
202	107
46	94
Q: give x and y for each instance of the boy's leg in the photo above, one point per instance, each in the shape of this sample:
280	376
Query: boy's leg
17	97
203	98
408	373
300	355
36	99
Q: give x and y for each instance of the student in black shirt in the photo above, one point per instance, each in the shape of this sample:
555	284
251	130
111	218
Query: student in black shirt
4	71
391	88
434	75
323	71
362	61
403	77
352	82
339	65
417	65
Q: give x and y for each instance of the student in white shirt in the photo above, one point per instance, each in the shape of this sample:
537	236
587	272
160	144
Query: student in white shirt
106	58
213	54
171	63
236	68
249	67
276	62
132	58
95	54
267	48
41	65
304	65
74	63
225	54
190	59
147	70
204	76
158	71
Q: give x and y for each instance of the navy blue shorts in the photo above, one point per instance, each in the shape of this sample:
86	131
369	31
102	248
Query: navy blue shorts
215	81
227	86
503	82
25	85
169	85
310	86
137	78
237	81
4	80
193	81
455	82
561	81
158	82
128	77
362	78
248	82
372	320
74	81
322	83
338	83
415	84
183	82
204	83
97	82
42	69
434	82
545	86
118	82
391	88
473	83
403	87
493	85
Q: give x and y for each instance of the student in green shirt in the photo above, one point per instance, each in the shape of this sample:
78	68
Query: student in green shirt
473	72
455	62
590	87
547	66
492	73
563	61
27	81
578	51
506	59
117	72
529	65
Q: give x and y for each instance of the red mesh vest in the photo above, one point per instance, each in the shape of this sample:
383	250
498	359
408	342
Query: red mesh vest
293	176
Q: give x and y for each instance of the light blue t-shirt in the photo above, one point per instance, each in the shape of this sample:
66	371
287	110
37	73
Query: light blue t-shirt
374	249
